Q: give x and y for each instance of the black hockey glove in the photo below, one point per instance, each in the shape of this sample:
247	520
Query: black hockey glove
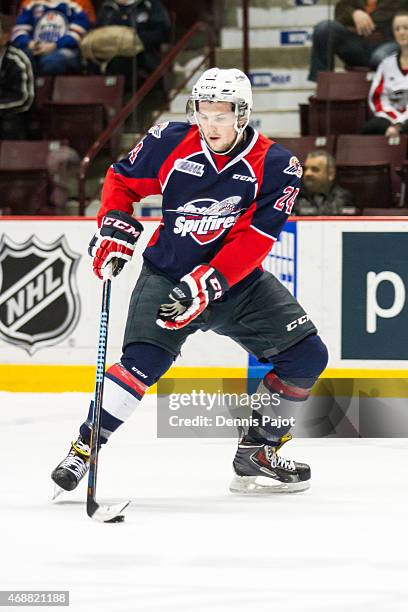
113	244
191	296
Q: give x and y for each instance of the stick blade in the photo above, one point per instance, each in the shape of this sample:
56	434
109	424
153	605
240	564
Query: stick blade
106	514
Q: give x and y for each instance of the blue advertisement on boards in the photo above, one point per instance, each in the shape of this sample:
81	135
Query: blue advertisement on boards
281	262
374	296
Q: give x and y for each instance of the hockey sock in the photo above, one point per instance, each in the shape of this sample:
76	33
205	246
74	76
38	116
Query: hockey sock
121	395
275	418
288	384
125	384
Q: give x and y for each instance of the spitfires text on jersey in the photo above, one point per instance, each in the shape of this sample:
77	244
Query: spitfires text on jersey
207	222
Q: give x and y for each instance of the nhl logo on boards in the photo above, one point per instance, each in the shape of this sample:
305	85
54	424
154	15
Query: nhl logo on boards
39	301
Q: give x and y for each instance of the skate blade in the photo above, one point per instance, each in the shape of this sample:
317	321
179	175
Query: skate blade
261	485
57	492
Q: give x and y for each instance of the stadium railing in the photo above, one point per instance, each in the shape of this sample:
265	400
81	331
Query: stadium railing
140	94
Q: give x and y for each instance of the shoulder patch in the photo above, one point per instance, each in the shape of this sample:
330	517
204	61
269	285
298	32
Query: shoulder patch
294	167
157	129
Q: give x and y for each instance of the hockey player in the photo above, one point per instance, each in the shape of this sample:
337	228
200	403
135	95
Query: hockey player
227	193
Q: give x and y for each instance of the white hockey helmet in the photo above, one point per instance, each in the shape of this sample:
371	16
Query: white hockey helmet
223	85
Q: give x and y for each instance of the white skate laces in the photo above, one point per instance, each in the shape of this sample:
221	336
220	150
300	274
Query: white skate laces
277	461
77	459
75	464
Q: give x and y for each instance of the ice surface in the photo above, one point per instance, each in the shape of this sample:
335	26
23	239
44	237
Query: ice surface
187	543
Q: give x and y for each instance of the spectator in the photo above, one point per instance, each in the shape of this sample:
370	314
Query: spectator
361	35
50	32
16	90
319	194
388	96
152	24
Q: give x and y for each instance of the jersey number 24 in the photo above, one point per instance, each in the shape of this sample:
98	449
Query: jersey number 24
287	200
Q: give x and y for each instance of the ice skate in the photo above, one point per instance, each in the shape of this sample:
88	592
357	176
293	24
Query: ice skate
259	469
73	468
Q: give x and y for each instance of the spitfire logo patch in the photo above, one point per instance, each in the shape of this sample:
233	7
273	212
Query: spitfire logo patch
206	219
39	301
294	167
156	130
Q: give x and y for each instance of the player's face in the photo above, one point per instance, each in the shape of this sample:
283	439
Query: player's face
315	175
400	28
217	120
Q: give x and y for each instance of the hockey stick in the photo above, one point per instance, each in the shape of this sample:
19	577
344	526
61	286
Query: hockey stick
104	514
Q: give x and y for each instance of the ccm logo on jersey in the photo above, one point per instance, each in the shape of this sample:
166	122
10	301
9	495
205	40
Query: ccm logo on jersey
122	225
294	167
294	324
242	177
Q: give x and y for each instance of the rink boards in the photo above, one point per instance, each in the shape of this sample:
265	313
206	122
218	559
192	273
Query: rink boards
351	275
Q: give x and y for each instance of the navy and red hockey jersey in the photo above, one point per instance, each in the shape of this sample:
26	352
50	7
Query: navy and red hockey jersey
225	211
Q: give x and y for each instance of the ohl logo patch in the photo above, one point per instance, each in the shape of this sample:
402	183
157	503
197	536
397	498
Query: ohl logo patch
206	219
39	301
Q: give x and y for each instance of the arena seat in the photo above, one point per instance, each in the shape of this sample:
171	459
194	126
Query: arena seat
304	119
24	176
403	173
370	167
43	90
81	107
340	105
386	212
43	93
370	183
303	145
26	154
342	85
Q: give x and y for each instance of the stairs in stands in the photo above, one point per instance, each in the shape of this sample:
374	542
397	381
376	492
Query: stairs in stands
280	40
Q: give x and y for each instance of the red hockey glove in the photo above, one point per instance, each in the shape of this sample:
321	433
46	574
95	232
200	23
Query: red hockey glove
191	296
113	244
